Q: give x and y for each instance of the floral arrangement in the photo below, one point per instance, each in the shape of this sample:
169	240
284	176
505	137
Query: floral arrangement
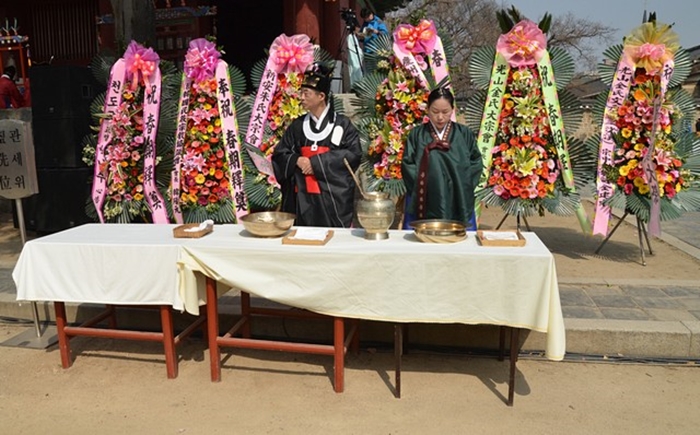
204	181
647	160
284	108
524	161
127	152
392	98
401	102
123	164
277	104
207	178
634	120
530	166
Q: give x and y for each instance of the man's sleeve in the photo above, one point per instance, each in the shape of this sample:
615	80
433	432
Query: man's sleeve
284	158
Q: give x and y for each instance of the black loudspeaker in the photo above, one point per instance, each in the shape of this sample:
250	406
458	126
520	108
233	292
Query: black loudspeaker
58	142
60	203
61	97
62	91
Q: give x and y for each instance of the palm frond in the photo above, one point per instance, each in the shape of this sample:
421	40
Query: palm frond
592	144
381	49
170	81
97	107
365	91
684	103
256	72
685	143
583	163
238	80
563	66
322	55
571	110
101	65
598	110
474	110
480	66
638	206
607	68
681	68
243	111
562	205
167	123
447	45
618	200
688	200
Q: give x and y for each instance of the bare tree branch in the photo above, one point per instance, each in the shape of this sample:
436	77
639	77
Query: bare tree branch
471	24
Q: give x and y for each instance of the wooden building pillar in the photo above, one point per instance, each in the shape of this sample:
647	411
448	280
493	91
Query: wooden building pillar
320	19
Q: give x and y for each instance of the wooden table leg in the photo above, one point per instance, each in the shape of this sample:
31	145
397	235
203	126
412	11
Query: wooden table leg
63	340
501	342
166	321
355	342
213	330
112	316
514	347
398	353
245	313
339	355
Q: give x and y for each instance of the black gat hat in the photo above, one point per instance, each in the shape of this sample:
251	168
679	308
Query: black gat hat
318	78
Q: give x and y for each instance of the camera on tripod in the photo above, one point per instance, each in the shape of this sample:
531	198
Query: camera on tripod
350	18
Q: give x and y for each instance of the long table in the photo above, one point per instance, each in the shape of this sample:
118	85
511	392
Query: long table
394	280
397	280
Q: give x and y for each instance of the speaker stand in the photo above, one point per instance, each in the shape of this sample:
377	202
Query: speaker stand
40	337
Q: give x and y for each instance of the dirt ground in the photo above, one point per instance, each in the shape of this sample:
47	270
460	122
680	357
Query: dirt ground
118	387
121	388
620	258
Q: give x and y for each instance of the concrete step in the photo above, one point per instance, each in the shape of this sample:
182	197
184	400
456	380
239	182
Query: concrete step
594	337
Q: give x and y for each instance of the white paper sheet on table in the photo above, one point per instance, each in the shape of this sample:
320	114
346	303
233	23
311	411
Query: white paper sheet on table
302	233
499	235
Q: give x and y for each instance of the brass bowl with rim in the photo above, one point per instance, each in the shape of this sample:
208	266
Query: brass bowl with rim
268	223
439	230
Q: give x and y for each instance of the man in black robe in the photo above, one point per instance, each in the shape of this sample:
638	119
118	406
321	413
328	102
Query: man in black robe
308	161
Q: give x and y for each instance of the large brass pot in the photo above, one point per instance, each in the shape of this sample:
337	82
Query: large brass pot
375	212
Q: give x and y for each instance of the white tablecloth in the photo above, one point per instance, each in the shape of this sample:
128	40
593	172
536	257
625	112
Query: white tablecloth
111	264
397	280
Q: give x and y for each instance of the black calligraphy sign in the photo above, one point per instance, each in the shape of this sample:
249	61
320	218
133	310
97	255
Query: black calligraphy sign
151	95
223	87
437	58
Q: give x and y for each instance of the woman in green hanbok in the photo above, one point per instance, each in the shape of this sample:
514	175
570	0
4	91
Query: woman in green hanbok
441	166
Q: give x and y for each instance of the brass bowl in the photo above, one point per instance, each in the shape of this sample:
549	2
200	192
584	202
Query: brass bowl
439	230
268	223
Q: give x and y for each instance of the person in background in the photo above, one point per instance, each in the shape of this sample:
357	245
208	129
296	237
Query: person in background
441	166
372	27
309	160
10	97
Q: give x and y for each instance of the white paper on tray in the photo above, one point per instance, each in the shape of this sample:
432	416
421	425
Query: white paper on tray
203	226
310	234
499	235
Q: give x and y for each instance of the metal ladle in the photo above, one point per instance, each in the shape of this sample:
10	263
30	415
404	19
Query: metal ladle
357	180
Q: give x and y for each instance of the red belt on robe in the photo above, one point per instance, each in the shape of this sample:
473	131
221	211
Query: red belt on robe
311	182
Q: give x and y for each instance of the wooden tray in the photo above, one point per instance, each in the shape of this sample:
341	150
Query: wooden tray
287	240
485	242
180	233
